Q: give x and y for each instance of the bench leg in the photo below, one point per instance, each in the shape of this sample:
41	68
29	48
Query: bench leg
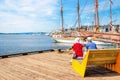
117	65
114	67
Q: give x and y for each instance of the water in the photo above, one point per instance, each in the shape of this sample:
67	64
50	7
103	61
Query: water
11	43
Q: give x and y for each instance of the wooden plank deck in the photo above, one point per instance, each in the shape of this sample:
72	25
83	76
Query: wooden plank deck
43	66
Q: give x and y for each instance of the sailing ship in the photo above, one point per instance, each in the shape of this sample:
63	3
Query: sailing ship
100	37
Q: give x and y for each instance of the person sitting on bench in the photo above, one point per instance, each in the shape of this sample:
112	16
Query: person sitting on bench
77	49
90	44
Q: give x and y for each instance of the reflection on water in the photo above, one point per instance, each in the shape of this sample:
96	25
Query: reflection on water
62	45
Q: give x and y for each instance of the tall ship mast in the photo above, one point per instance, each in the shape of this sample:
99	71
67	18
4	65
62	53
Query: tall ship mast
78	14
97	27
111	15
62	20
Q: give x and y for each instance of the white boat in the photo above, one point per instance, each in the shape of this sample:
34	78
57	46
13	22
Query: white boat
64	41
59	40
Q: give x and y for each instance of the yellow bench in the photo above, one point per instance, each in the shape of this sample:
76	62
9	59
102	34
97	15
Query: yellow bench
108	58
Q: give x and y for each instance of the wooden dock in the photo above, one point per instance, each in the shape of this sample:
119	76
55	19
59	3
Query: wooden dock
45	66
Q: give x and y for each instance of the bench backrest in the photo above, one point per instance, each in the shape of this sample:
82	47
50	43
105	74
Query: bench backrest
104	56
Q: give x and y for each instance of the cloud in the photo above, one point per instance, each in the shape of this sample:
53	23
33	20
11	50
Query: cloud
27	15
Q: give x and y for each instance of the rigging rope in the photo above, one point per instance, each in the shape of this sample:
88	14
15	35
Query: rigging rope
84	7
103	13
81	11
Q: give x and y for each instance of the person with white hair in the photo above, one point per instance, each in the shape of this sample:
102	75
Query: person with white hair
77	48
90	44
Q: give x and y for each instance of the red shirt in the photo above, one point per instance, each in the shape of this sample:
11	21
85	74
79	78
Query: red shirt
77	47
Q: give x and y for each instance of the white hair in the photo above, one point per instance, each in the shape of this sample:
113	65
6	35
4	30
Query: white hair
89	39
77	40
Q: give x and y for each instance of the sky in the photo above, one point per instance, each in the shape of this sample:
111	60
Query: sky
18	16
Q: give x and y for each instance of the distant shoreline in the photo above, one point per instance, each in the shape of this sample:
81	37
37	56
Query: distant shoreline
26	33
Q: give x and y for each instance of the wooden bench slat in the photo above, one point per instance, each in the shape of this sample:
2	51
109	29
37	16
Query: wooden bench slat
101	62
102	59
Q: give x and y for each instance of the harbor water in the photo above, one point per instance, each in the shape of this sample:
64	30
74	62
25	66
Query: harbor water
17	43
10	44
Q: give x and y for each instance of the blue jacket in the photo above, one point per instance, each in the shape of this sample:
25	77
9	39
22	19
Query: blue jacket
91	45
